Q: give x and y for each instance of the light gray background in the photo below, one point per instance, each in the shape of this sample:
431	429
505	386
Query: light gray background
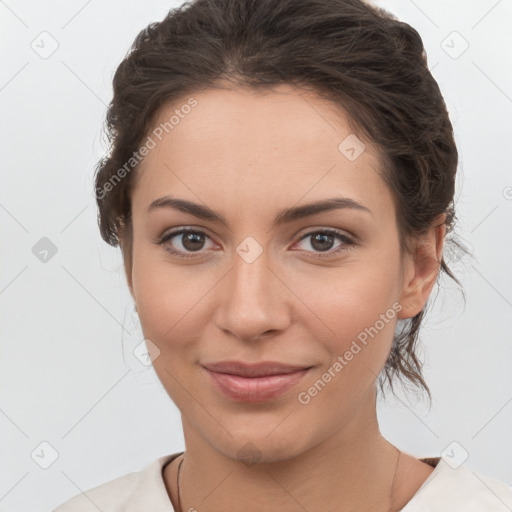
68	375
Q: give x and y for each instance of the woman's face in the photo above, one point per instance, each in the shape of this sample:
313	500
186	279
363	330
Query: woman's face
266	284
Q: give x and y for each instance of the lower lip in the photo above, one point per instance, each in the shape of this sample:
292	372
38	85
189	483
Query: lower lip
255	389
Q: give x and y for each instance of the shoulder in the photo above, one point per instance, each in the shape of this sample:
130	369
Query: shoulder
144	488
460	488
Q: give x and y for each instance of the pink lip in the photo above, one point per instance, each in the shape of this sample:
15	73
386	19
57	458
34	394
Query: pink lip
273	380
261	369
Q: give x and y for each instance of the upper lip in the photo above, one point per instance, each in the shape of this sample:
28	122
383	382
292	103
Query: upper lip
253	370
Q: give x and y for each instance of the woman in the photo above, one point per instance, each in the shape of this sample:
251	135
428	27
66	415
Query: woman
281	184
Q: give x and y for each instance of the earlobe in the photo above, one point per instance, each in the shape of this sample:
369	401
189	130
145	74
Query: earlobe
422	271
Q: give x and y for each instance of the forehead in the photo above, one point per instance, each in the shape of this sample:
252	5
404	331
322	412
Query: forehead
252	146
286	118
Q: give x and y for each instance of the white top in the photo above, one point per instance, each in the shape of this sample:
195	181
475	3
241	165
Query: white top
445	490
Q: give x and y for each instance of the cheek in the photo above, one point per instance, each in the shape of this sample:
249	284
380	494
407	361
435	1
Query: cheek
352	313
166	293
172	315
347	299
168	305
357	344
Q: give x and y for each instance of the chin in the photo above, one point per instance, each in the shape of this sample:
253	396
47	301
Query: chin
253	448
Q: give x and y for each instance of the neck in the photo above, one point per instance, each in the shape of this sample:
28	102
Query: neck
352	469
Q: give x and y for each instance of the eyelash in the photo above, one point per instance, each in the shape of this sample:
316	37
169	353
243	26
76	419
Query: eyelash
348	243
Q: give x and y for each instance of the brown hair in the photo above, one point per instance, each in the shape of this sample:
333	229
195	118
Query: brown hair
358	56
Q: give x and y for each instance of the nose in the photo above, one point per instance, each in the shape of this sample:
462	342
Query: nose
253	300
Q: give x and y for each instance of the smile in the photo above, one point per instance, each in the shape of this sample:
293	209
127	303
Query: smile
255	389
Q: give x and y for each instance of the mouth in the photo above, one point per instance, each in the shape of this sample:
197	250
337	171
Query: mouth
260	382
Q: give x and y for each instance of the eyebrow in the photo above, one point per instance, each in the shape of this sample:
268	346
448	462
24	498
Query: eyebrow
284	217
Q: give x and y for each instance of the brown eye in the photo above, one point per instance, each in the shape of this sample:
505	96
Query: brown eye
192	241
322	241
184	241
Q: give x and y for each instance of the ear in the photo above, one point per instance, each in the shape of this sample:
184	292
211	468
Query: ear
421	269
126	251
